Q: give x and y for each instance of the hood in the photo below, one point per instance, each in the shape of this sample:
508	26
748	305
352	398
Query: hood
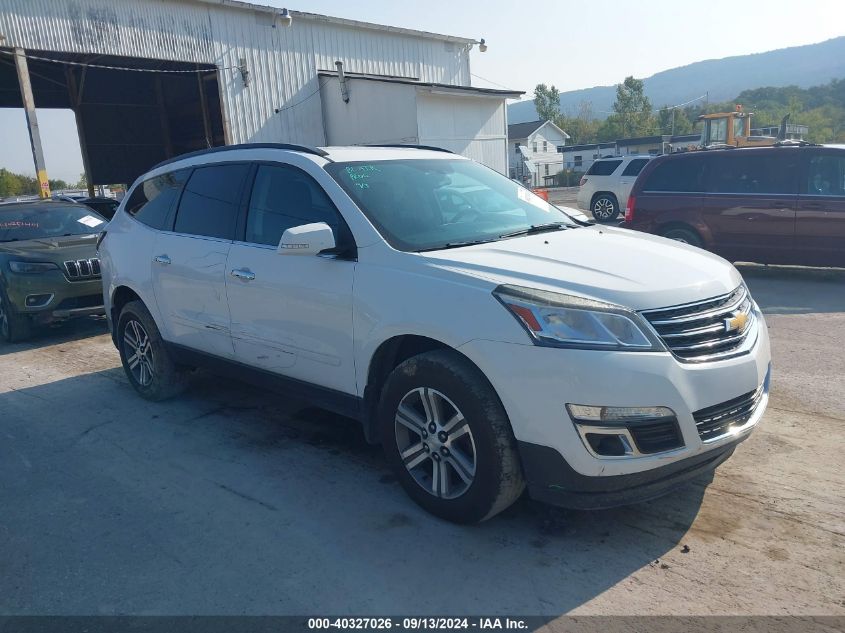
53	249
628	268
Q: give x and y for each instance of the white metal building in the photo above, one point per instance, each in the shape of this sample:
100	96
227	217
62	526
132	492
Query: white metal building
209	72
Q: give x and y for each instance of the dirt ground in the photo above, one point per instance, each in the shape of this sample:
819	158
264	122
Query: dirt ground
229	500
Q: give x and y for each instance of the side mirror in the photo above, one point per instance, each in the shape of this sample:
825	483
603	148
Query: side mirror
307	239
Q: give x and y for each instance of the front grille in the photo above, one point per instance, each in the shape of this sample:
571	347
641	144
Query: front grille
706	330
656	437
718	420
74	303
82	269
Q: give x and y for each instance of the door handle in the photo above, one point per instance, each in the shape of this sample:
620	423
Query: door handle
812	205
164	260
243	274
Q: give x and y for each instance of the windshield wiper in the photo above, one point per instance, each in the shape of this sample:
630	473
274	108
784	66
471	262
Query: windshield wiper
449	245
537	228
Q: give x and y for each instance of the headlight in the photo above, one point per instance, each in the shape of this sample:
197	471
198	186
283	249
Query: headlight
32	267
557	320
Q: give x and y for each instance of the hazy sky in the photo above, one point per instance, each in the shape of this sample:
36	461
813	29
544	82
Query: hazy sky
563	42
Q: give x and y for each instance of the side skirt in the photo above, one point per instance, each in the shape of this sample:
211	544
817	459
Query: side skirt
330	399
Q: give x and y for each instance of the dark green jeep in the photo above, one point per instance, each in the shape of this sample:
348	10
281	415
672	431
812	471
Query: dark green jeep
48	265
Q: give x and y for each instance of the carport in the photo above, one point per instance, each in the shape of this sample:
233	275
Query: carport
130	112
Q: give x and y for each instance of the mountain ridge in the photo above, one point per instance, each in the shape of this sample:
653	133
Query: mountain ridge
803	66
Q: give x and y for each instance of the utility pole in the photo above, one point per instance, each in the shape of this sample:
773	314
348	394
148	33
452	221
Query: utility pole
32	122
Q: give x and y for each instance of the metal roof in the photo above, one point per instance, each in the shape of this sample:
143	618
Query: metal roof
341	21
514	94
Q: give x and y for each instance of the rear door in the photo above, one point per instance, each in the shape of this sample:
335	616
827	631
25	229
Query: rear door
749	203
627	179
820	221
189	262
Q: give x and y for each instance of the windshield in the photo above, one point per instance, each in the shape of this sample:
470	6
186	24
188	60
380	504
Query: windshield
420	205
34	221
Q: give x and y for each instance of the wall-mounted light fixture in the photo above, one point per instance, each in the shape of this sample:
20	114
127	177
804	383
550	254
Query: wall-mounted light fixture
285	18
482	46
244	71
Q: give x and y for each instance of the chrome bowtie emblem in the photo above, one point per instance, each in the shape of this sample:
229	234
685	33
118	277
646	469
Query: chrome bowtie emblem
737	322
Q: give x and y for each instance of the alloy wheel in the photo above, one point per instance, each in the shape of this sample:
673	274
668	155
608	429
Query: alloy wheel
138	352
603	209
435	443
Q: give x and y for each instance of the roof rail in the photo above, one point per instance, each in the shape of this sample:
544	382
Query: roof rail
428	147
227	148
795	143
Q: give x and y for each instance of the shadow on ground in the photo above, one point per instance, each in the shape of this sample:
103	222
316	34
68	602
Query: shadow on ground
63	332
234	500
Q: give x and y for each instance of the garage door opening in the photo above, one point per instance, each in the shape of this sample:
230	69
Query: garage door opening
130	112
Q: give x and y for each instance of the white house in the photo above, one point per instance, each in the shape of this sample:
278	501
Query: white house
540	159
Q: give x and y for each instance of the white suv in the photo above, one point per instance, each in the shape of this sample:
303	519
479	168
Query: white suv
462	319
605	188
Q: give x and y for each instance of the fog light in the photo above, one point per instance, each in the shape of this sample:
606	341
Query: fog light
36	301
609	445
625	432
618	415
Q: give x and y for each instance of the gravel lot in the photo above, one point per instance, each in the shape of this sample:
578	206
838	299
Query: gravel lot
234	501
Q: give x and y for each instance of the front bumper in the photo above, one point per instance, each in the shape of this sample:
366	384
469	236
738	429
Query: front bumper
551	480
67	299
535	384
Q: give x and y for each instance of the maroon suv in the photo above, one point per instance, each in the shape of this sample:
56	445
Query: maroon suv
773	205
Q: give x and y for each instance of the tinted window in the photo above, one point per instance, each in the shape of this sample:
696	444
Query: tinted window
826	176
603	167
748	172
284	197
152	200
635	167
681	174
209	205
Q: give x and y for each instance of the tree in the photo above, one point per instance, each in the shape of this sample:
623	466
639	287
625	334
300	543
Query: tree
83	181
680	125
58	184
632	108
547	102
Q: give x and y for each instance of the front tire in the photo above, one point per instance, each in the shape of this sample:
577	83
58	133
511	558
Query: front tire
448	439
144	355
683	235
14	327
605	208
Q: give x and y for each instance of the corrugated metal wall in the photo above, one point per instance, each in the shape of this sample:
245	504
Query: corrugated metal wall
282	101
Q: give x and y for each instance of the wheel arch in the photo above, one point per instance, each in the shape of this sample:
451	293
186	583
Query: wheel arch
599	194
120	296
701	231
389	355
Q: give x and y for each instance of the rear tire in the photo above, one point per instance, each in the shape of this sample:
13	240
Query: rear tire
14	327
146	360
684	235
460	457
605	207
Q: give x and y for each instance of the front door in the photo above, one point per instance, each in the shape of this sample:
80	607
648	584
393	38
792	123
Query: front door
291	314
189	263
820	222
